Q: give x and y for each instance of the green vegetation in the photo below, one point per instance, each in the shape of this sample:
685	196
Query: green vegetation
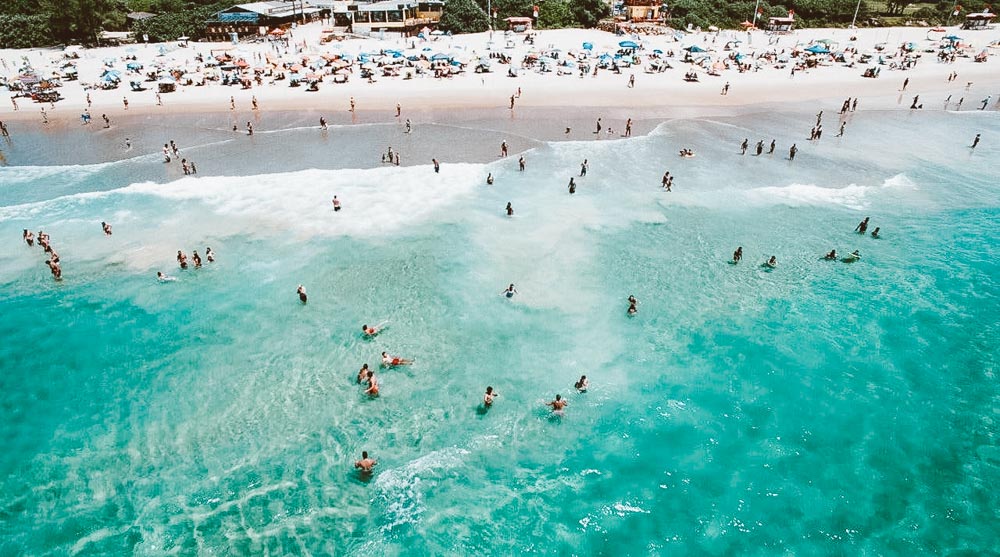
462	16
25	23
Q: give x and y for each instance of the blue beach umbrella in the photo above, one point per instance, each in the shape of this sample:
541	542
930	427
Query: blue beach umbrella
439	56
628	44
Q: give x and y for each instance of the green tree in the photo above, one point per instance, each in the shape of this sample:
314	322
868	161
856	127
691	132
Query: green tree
588	12
463	16
82	20
553	14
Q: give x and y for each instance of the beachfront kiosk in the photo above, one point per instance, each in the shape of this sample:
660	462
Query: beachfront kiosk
781	24
250	19
978	21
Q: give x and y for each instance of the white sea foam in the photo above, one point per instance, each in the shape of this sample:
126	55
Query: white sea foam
400	488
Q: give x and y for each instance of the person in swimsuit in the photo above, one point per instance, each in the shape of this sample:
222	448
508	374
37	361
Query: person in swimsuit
197	259
738	254
209	255
773	262
372	389
557	405
302	293
862	227
510	210
336	204
365	464
582	384
489	179
488	397
363	373
875	232
163	278
182	259
632	305
29	238
371	331
509	291
392	361
106	227
831	256
572	185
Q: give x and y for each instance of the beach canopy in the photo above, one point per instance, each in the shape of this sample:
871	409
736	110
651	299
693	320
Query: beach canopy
439	56
134	65
953	38
628	44
817	49
588	46
694	48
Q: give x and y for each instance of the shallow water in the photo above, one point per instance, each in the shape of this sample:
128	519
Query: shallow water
817	408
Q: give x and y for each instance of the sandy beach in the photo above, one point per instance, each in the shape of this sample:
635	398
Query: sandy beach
771	84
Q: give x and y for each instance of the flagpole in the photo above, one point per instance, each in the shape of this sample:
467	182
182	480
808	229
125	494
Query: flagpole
856	10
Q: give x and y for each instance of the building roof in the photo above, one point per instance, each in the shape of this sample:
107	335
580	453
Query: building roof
138	16
392	5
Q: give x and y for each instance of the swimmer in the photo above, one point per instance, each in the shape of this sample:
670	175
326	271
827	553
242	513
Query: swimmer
489	396
363	373
209	255
773	262
164	278
557	405
392	361
106	227
738	254
509	291
197	259
29	238
582	384
510	210
875	233
831	256
372	389
632	305
182	259
365	464
302	293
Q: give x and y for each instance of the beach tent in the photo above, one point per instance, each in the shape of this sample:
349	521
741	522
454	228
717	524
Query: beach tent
628	44
817	49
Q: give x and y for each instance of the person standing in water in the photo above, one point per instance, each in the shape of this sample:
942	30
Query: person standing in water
583	384
365	464
632	305
584	165
975	141
738	254
372	389
510	210
509	291
301	291
791	152
557	405
503	148
875	233
520	164
336	204
572	185
489	396
862	227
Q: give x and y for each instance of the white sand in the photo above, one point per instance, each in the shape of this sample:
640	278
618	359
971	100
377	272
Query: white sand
769	85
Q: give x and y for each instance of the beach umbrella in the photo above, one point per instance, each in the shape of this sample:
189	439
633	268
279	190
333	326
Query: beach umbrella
628	44
133	66
657	51
953	38
439	56
817	49
588	46
694	48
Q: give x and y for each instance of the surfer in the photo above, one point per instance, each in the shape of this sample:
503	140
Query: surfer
738	254
391	361
581	385
854	256
489	396
557	405
831	256
301	291
365	464
862	227
509	291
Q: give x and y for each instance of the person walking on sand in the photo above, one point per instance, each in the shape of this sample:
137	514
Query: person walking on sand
725	89
628	128
13	101
159	101
125	102
905	83
503	148
520	164
841	132
249	128
232	103
399	109
253	103
744	145
322	123
409	128
437	166
631	81
598	126
107	121
512	102
986	101
771	150
352	104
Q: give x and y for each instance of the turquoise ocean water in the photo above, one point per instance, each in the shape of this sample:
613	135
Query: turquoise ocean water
819	408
